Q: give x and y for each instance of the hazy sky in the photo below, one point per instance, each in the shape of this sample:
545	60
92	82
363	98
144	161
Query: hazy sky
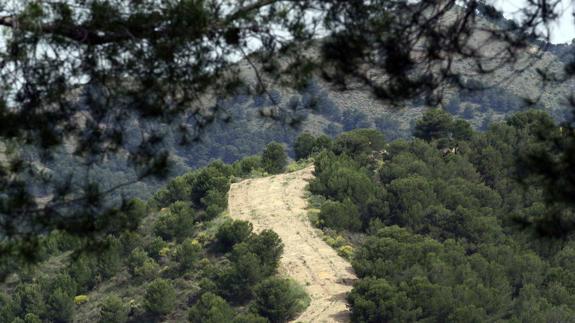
562	32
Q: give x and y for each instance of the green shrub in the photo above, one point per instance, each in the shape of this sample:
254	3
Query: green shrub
322	142
434	124
148	270
32	318
268	246
213	178
136	259
113	310
216	202
110	259
280	299
83	271
304	146
249	318
211	309
155	247
316	201
233	232
246	165
60	306
342	216
9	308
141	266
359	142
176	224
274	158
236	282
28	299
345	251
251	262
60	281
130	241
187	253
376	300
160	297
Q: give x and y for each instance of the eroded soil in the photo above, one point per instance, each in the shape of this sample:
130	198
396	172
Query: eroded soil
278	203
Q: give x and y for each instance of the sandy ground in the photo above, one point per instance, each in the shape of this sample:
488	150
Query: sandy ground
278	203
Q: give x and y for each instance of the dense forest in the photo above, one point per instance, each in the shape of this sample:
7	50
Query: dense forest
180	259
438	227
445	228
242	132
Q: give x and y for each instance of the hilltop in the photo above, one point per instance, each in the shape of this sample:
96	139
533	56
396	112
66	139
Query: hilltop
433	227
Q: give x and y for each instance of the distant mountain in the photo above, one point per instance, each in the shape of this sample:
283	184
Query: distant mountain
280	114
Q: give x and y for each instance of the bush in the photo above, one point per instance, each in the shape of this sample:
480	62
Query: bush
155	247
279	299
83	271
434	124
249	318
32	318
8	308
110	259
216	202
177	224
136	259
461	130
274	158
142	266
129	241
304	146
211	309
214	178
359	142
246	165
376	300
231	233
60	306
188	253
236	282
345	251
269	248
160	297
113	310
341	216
148	270
61	281
251	262
322	142
28	299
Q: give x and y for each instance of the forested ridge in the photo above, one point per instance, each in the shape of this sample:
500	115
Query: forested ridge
100	99
441	136
439	223
440	227
180	259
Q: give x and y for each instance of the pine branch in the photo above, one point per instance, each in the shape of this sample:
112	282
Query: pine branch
87	35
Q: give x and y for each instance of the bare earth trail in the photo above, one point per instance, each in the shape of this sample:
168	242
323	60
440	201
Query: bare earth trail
278	203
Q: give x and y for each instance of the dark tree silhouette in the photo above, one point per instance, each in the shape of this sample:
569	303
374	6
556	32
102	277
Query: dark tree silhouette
79	76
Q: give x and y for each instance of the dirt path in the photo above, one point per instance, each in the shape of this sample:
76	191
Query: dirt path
278	203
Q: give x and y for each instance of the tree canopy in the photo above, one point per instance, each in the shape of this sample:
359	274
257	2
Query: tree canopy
79	76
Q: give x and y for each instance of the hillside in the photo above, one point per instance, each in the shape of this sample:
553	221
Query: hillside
434	227
409	162
278	203
323	108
